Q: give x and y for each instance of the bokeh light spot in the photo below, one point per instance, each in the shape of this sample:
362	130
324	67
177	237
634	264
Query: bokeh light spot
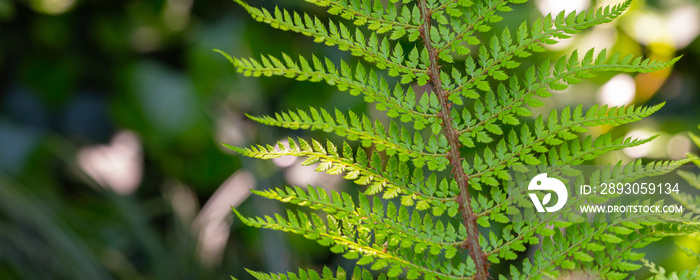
212	224
556	6
284	161
52	7
677	28
641	150
118	166
678	146
618	91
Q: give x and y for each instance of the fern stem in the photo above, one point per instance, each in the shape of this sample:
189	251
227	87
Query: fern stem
464	200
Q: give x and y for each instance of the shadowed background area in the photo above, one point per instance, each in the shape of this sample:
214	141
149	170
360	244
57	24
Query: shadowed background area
112	114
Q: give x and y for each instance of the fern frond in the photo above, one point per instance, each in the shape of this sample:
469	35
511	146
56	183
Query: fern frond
636	170
396	226
397	101
538	80
402	239
575	151
398	141
353	241
328	157
358	274
503	49
374	15
557	130
394	180
598	248
373	49
303	274
660	273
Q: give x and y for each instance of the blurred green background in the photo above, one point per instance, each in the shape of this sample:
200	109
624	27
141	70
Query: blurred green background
112	114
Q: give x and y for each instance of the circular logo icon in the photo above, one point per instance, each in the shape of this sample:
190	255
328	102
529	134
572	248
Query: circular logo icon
542	183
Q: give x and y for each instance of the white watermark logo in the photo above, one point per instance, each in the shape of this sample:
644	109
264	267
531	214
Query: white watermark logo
542	183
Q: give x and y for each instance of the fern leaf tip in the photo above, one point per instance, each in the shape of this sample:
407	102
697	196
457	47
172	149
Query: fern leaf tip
233	148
